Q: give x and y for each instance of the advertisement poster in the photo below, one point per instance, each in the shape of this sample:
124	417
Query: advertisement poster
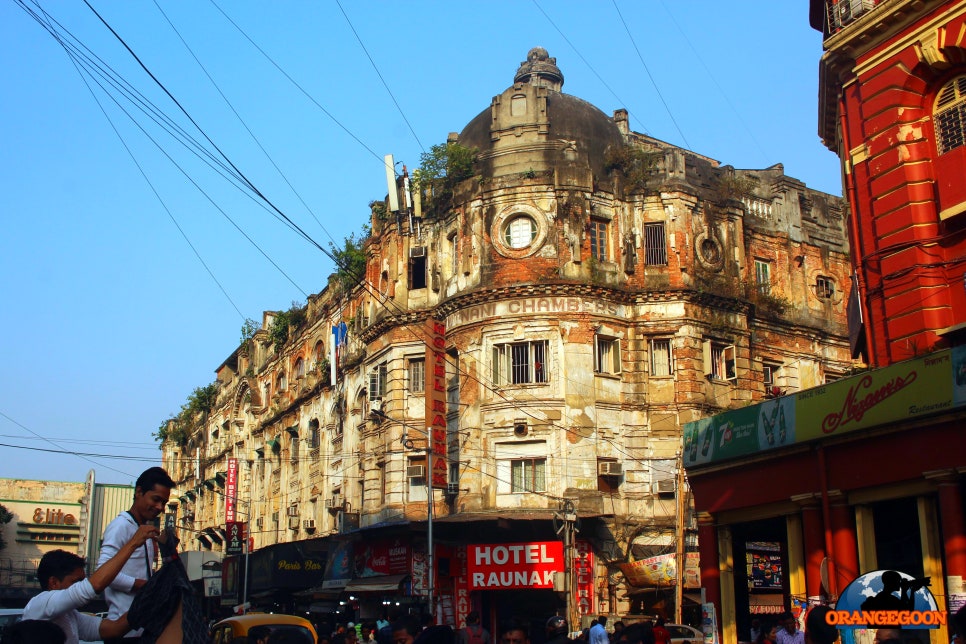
383	557
662	571
910	389
764	570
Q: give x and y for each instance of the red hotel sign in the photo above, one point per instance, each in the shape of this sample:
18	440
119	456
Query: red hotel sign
231	490
513	565
436	401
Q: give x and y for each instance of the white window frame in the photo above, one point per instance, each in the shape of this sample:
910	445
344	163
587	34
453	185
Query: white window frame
507	454
657	347
509	368
378	381
720	361
824	287
416	375
607	355
763	276
515	236
416	486
769	372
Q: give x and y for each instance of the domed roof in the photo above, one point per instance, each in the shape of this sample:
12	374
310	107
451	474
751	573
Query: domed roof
567	117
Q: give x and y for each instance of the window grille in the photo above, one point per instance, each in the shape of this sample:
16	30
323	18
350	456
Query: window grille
519	363
655	244
950	116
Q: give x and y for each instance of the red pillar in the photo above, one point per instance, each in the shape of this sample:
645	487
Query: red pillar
708	546
845	544
952	525
814	543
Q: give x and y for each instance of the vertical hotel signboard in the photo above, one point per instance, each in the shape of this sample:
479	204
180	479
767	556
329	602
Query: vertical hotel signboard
231	489
436	401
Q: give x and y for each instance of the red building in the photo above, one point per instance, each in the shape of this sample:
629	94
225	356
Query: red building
800	495
892	104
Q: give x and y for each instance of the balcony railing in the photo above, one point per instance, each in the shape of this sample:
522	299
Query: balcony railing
841	13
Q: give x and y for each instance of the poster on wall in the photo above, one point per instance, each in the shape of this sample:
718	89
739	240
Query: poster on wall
764	566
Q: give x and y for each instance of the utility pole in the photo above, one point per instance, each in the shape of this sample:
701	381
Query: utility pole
565	523
679	524
430	493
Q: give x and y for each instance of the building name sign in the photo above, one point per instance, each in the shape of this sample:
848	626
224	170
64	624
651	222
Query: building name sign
54	517
514	565
305	564
530	305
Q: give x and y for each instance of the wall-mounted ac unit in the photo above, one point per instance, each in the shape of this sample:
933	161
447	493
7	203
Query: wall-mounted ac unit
453	489
335	501
417	251
292	510
610	468
293	523
260	522
275	517
416	471
309	524
665	486
375	406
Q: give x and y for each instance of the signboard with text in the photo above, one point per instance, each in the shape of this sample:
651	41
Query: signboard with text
514	565
235	535
231	489
381	557
911	389
436	402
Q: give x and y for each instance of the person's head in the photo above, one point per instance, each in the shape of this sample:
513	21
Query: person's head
151	493
473	617
556	626
602	620
516	633
59	569
259	634
618	627
788	622
351	636
405	631
660	621
888	635
817	628
891	581
437	634
633	634
771	632
34	631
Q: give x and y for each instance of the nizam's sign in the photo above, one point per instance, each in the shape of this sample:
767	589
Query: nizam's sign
905	390
514	565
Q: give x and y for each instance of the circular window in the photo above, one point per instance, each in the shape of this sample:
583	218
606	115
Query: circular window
520	231
709	252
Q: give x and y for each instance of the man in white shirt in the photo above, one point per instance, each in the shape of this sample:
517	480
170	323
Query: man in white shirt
65	590
151	493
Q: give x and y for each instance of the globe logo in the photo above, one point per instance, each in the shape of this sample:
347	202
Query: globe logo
887	598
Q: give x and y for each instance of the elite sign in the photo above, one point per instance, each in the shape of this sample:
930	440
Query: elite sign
514	565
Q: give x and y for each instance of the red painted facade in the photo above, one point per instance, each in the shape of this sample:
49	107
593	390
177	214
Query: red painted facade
881	78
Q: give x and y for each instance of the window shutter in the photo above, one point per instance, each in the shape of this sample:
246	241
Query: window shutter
706	355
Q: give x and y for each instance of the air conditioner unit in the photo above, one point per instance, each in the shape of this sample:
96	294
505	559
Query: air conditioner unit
334	502
275	517
260	522
293	523
375	406
415	471
453	489
292	511
610	468
417	251
665	486
309	524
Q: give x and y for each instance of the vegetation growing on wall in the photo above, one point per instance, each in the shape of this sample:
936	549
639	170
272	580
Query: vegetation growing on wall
635	165
725	286
286	322
5	517
350	260
440	170
734	186
194	412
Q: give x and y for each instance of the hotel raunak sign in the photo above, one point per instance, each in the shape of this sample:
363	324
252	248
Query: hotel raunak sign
436	401
911	389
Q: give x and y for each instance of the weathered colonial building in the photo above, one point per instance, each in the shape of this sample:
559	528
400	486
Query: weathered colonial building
599	289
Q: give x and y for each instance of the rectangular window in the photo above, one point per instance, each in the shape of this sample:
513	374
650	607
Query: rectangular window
598	240
417	375
768	374
607	355
661	357
719	360
763	276
655	244
378	381
417	271
455	254
528	475
520	363
824	287
417	477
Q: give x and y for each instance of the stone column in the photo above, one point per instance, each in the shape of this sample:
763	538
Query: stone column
844	542
710	571
953	527
813	533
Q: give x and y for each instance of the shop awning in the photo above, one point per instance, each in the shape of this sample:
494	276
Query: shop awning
383	583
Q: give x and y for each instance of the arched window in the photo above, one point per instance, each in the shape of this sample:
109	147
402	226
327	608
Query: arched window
950	115
949	122
282	383
299	368
319	353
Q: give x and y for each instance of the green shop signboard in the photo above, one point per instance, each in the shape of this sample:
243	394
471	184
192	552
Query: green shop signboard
909	389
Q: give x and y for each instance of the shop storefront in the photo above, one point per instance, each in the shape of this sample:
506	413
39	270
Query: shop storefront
275	575
799	495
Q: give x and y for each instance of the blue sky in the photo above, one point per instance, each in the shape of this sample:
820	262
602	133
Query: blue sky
112	320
